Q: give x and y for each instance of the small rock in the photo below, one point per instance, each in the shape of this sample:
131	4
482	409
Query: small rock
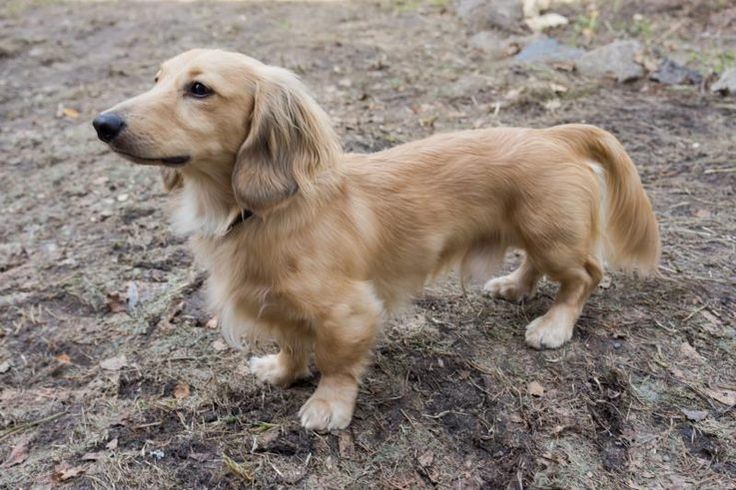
114	363
616	59
219	345
553	104
547	50
496	46
132	295
672	73
726	84
482	14
4	367
156	454
540	23
535	389
695	415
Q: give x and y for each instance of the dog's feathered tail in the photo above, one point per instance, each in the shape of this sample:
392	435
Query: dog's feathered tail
629	227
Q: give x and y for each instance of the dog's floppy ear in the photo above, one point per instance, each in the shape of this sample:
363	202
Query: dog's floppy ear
290	139
172	179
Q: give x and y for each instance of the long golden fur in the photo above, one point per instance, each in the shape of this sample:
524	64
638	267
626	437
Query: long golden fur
337	240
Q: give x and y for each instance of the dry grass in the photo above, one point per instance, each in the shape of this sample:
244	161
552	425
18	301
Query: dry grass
446	401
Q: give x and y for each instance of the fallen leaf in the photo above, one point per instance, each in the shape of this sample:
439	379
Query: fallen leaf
181	391
19	453
67	112
219	345
557	88
64	358
558	428
112	444
212	323
71	113
93	456
567	66
114	363
115	303
4	367
689	351
63	472
727	397
535	389
201	457
695	415
426	459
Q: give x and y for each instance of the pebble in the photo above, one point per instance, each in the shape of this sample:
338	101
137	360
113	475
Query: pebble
483	14
726	84
672	73
547	50
616	59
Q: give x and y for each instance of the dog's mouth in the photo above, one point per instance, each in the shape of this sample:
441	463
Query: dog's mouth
174	161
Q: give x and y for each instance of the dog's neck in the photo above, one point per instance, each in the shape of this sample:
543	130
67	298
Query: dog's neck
204	207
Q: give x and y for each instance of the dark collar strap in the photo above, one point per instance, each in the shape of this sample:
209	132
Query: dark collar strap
242	216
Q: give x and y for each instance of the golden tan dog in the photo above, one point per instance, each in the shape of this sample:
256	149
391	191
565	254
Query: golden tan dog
312	246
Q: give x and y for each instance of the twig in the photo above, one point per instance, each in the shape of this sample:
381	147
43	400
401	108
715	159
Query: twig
22	427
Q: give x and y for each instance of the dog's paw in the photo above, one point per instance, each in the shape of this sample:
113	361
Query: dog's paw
270	369
548	332
508	288
321	414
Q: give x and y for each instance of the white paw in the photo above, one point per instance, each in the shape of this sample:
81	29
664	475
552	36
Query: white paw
548	332
508	288
269	369
323	415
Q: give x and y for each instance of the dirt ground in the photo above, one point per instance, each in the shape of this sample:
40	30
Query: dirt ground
101	392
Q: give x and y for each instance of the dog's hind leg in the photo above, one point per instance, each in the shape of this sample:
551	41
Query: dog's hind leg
555	327
343	339
517	286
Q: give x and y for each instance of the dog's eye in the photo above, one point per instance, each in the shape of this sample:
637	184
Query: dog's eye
199	90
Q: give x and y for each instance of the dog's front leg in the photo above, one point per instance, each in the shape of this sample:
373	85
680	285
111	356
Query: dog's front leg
342	341
291	363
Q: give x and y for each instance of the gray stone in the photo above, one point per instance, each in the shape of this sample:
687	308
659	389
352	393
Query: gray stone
547	50
617	59
487	14
496	46
672	73
727	83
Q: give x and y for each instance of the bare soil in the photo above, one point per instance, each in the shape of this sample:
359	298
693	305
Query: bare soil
642	397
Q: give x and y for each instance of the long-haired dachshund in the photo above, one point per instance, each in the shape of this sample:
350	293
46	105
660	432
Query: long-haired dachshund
312	246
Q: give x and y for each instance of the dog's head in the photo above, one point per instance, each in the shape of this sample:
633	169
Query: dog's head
225	115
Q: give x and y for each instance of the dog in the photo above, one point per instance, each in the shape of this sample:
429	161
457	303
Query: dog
312	247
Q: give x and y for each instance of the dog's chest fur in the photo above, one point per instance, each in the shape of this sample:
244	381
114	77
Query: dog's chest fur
248	275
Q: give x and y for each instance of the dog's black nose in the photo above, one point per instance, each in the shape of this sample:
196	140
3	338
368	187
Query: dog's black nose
108	125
